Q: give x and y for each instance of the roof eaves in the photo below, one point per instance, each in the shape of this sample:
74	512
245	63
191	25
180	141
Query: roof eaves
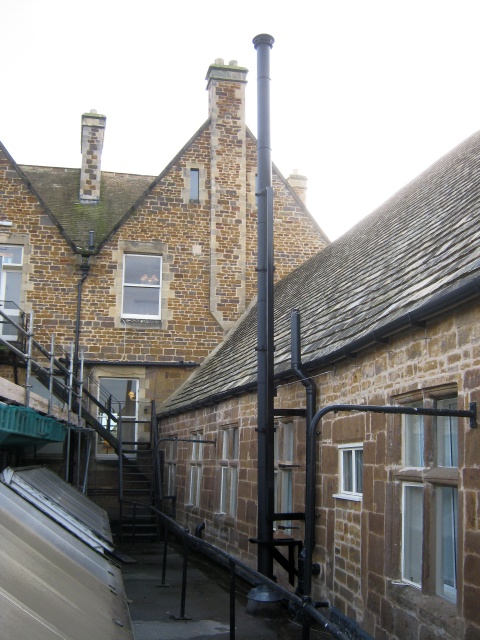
446	301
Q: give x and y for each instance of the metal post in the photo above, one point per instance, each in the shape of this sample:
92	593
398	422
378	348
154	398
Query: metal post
184	579
265	389
232	598
28	374
87	461
79	414
164	564
51	374
69	460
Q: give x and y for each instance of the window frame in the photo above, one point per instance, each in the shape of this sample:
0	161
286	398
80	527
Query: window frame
139	286
284	464
229	471
7	269
171	458
194	184
432	478
195	470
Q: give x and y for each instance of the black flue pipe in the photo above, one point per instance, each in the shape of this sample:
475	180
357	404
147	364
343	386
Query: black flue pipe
265	346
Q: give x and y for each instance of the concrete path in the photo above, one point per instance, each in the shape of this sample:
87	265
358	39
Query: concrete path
155	609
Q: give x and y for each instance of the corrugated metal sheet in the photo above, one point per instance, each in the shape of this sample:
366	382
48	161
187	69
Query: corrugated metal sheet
21	426
62	502
52	585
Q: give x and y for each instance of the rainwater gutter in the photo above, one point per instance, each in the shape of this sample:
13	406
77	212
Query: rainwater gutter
416	318
180	364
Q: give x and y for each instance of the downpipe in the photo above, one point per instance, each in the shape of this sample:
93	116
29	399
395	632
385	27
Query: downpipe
311	404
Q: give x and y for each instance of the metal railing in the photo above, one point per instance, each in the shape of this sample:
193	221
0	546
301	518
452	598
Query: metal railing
303	604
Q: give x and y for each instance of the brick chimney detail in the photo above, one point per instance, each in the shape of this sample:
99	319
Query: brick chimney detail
226	86
299	185
93	129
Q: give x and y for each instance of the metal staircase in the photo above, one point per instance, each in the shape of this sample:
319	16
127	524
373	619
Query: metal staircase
139	485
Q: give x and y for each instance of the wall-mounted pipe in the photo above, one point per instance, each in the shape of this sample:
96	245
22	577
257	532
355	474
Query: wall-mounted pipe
311	408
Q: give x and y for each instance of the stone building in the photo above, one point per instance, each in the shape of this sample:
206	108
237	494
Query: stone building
390	318
144	275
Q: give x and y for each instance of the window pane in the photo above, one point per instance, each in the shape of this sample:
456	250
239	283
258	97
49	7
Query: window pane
233	491
447	435
413	439
12	289
235	434
11	254
224	490
358	471
194	184
288	442
347	457
143	270
124	395
141	301
446	544
412	533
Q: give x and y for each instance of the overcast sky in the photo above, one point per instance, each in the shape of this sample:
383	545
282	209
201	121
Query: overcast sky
365	94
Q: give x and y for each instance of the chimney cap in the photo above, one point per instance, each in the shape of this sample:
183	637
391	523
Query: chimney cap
221	71
93	113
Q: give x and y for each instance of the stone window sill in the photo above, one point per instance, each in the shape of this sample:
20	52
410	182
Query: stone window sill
348	496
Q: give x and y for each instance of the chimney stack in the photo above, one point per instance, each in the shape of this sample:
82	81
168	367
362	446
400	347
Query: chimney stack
299	185
228	188
93	129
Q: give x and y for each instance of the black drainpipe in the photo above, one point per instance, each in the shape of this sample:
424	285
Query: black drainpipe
265	391
311	404
84	269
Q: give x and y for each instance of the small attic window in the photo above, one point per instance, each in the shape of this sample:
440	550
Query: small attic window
194	185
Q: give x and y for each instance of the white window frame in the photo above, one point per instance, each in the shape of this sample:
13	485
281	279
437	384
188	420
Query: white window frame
7	268
284	463
229	471
405	543
171	466
346	494
195	472
149	283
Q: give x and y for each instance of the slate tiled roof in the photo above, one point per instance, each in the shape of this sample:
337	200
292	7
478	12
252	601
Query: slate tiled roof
59	189
405	261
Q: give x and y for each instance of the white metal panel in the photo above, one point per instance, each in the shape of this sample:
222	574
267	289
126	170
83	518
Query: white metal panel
52	585
62	502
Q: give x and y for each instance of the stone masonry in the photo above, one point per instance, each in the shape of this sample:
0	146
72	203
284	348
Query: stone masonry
358	542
